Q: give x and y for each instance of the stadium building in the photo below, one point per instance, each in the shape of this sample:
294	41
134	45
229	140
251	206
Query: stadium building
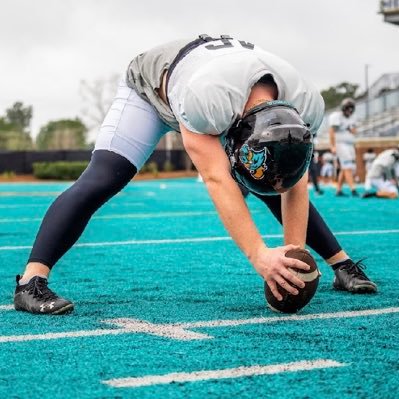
377	113
390	10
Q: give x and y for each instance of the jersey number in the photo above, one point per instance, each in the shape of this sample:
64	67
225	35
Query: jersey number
226	40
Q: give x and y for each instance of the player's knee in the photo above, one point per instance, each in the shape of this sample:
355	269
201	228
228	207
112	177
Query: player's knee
98	187
106	175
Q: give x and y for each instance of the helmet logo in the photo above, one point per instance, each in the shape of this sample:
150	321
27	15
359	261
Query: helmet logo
254	161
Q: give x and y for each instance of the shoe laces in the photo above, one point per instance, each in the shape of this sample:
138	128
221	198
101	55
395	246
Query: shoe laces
38	287
355	268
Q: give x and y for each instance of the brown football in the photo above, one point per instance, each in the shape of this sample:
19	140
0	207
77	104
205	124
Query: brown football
293	303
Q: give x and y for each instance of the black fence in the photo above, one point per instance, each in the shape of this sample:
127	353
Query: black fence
20	162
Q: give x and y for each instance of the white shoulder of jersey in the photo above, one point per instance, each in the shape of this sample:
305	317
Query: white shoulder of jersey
334	120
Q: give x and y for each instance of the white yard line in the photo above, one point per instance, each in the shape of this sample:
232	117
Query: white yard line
21	206
238	372
171	331
20	220
6	307
192	240
182	332
123	216
60	335
295	317
47	204
29	193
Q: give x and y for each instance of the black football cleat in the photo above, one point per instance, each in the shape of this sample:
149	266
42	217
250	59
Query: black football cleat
351	277
36	297
369	194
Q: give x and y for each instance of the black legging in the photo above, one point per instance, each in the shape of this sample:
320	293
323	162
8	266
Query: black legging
318	236
64	222
105	176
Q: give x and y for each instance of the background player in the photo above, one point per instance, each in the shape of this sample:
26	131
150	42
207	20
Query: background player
342	130
382	178
327	171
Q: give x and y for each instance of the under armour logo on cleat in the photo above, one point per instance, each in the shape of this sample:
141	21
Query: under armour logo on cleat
43	306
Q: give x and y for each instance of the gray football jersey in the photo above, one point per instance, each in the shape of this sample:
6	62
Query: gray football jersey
209	87
145	72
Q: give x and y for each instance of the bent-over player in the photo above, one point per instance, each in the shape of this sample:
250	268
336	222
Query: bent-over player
382	177
245	116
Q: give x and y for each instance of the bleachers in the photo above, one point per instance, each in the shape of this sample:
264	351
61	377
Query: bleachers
378	117
385	124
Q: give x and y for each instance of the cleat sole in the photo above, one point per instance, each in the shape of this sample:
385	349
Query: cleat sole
359	289
64	310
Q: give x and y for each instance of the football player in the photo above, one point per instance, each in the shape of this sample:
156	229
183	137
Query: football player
382	178
327	168
246	116
342	143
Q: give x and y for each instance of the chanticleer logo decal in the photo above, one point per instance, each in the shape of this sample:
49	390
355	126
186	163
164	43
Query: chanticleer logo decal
254	161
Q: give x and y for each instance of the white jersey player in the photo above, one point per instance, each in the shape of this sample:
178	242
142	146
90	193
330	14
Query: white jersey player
246	116
342	141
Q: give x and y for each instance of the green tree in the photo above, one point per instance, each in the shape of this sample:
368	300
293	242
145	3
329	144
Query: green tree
64	134
335	94
19	116
12	138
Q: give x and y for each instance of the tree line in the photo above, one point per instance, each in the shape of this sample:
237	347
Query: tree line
65	134
15	134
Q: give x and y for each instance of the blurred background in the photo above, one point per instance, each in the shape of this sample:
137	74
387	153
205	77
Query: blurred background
61	61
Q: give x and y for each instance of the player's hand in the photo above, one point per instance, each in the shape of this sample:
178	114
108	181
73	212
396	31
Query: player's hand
333	150
273	266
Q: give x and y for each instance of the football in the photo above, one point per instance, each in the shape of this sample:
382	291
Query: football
293	303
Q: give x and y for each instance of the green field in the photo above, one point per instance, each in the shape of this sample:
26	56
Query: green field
160	288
